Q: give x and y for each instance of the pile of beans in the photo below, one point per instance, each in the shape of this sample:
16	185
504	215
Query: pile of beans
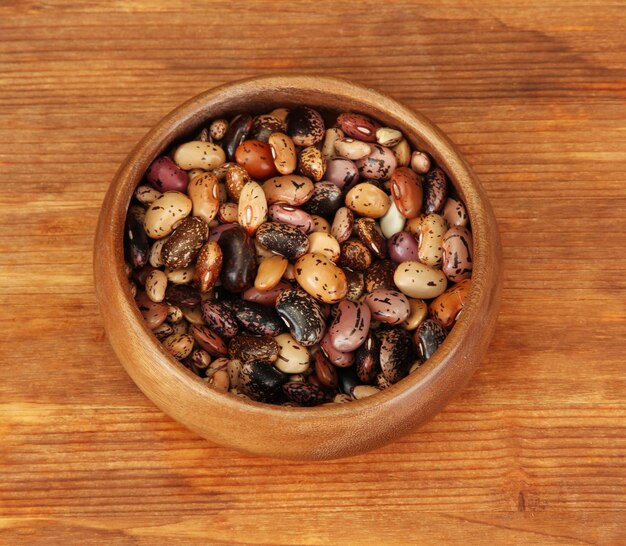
298	259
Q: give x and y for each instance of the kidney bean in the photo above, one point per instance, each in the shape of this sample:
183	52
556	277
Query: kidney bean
350	326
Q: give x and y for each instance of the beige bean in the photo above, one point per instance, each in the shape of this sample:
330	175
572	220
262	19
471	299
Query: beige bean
402	151
252	211
165	213
289	273
321	278
280	113
234	370
220	380
156	253
174	314
261	252
291	189
331	136
352	149
419	311
156	284
326	244
432	230
293	358
341	399
414	225
392	222
386	136
420	162
367	200
283	152
180	276
228	213
193	315
218	129
201	358
133	288
147	194
179	345
204	193
415	366
180	328
199	155
320	224
270	272
363	391
418	280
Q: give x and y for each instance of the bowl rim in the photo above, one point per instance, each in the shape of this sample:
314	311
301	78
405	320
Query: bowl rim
487	270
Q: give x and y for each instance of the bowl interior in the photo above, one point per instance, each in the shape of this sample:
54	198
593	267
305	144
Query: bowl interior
148	362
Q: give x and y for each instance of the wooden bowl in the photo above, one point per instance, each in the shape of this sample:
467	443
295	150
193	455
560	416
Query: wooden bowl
324	432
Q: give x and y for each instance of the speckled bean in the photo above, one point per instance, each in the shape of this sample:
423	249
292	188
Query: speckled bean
341	172
256	158
156	283
435	188
402	247
379	164
199	155
341	228
292	216
454	212
457	254
208	266
350	326
396	354
349	148
220	318
428	336
406	192
367	200
154	313
418	280
165	213
283	239
326	244
388	306
289	189
331	136
165	175
184	245
293	358
252	211
203	191
446	308
302	315
283	153
358	126
341	359
311	163
179	345
321	278
432	230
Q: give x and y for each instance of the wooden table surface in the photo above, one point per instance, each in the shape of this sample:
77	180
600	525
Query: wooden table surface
532	452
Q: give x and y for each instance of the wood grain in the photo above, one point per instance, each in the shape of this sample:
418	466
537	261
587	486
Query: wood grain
532	451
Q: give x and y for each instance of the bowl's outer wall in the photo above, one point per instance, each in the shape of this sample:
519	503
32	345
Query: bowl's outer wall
325	432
